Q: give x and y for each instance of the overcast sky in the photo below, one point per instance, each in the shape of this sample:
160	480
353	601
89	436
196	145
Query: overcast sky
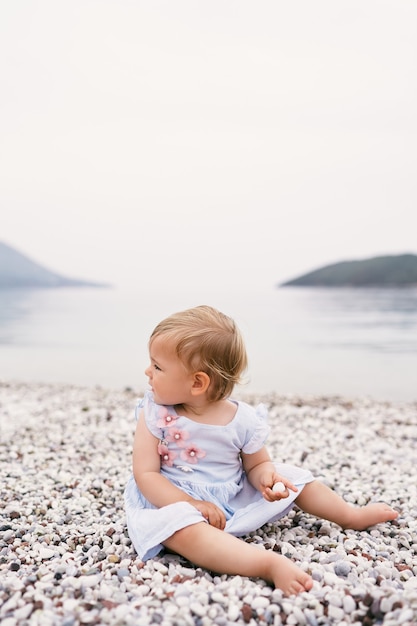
192	143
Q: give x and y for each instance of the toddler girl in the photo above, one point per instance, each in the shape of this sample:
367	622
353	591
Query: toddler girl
202	476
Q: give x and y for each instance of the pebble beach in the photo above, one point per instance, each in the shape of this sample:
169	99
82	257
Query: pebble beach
66	558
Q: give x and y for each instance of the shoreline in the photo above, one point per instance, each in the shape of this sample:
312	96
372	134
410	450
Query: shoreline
65	557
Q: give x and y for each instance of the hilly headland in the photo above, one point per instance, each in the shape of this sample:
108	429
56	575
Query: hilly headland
18	270
381	271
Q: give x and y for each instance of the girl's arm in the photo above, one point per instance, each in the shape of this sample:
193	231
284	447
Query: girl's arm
146	469
154	486
262	475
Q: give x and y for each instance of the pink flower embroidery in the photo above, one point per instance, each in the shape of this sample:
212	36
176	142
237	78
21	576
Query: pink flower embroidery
177	436
191	454
166	420
167	456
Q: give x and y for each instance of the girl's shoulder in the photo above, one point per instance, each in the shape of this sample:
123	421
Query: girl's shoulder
252	422
156	416
258	413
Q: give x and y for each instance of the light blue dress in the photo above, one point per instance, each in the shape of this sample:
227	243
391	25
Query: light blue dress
204	461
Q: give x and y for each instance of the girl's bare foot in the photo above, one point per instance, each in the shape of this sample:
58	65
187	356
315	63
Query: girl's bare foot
288	577
369	515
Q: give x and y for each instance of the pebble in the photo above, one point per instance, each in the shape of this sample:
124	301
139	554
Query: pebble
66	558
342	568
349	604
259	603
198	609
335	613
233	612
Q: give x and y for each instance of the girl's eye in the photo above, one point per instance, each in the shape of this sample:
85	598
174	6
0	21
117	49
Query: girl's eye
157	368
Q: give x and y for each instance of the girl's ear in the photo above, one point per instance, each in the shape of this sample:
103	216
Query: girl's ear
201	382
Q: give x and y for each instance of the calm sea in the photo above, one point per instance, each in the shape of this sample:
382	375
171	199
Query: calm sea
352	342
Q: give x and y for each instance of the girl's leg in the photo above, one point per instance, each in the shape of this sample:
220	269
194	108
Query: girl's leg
322	502
218	551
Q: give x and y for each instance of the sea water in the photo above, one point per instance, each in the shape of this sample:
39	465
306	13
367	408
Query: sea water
351	342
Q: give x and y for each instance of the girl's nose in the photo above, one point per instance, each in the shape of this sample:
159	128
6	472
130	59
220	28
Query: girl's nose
148	371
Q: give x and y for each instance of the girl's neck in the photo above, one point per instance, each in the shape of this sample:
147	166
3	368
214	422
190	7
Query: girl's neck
220	412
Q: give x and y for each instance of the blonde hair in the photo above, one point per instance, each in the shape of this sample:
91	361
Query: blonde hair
207	340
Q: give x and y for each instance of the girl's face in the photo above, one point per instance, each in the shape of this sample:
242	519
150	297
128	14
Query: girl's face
169	379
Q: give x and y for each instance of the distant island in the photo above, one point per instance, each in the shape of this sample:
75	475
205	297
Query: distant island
381	271
17	270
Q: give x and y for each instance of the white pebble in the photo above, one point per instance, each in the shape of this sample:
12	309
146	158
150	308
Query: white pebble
334	599
349	604
160	567
233	612
335	613
9	621
279	487
120	613
330	579
8	534
298	615
411	583
23	612
69	605
260	603
10	604
219	598
89	581
198	609
46	553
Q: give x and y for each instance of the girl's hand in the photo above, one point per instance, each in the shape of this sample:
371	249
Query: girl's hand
269	481
212	513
